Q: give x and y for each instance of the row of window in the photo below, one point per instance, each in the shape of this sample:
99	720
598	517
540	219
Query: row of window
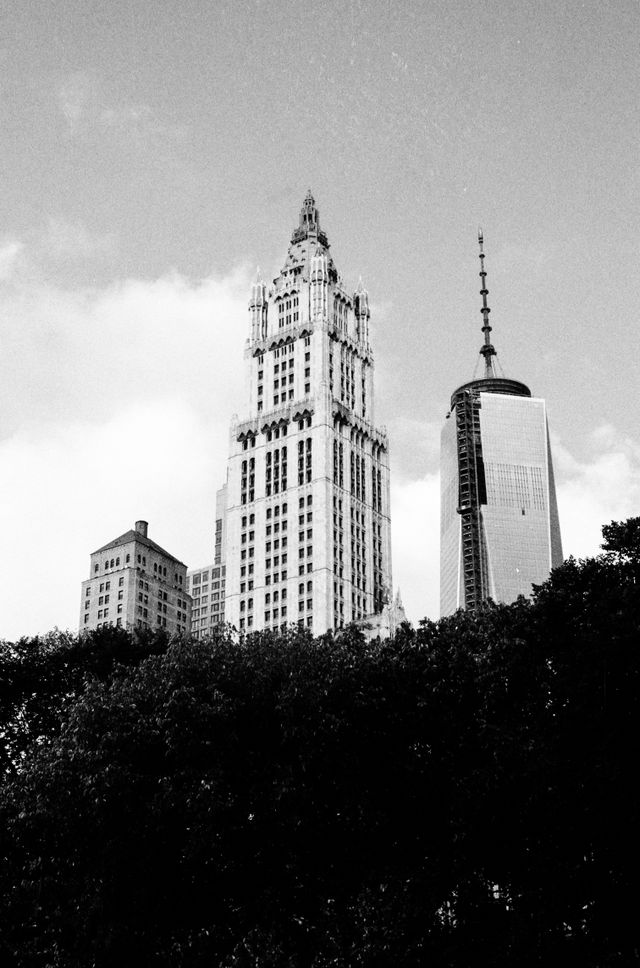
276	471
288	312
304	461
358	476
203	576
247	481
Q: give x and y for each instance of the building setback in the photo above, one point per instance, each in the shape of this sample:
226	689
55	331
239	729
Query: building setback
499	527
307	527
134	583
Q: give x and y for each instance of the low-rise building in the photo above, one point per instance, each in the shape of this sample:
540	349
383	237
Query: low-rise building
134	583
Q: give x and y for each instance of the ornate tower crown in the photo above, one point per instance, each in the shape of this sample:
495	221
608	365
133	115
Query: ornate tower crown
309	226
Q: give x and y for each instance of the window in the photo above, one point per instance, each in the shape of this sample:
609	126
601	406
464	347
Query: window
121	582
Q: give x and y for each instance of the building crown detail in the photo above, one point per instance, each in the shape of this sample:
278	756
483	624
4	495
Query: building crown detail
309	223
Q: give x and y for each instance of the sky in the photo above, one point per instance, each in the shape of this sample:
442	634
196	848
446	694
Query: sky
156	152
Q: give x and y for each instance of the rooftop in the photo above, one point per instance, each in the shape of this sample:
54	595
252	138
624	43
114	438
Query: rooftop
129	536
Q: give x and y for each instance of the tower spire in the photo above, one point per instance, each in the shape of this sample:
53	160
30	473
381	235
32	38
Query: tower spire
487	349
309	222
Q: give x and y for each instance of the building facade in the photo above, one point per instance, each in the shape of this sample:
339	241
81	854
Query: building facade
499	526
307	527
207	585
134	583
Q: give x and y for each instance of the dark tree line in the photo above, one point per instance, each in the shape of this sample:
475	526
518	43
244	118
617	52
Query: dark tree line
464	794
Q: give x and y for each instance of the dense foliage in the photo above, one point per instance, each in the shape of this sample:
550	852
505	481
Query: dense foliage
464	794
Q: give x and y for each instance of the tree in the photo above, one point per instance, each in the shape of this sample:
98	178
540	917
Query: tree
40	678
461	794
622	540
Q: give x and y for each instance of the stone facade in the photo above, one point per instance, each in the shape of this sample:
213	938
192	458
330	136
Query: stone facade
307	526
134	583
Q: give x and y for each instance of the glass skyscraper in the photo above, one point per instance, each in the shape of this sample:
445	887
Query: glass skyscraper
499	527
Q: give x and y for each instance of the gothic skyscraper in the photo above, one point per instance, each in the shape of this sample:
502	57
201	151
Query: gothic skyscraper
307	528
499	528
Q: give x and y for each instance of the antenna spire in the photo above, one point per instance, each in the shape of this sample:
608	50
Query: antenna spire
487	349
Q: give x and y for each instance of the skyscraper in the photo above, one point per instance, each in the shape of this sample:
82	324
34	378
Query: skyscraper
499	527
307	528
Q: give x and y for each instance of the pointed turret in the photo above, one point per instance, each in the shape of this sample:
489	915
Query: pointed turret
361	312
309	225
487	349
319	278
258	308
309	214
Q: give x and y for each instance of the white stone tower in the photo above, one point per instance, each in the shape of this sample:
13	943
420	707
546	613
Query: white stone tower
307	528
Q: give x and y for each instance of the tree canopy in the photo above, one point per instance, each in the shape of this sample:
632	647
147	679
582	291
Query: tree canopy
462	794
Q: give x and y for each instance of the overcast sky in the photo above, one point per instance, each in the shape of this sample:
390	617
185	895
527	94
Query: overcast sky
156	151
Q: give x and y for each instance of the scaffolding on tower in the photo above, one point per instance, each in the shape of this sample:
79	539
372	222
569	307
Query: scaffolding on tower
471	496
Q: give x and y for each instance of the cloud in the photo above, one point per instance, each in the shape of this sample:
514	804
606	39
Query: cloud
115	404
10	254
596	489
415	532
71	352
67	491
